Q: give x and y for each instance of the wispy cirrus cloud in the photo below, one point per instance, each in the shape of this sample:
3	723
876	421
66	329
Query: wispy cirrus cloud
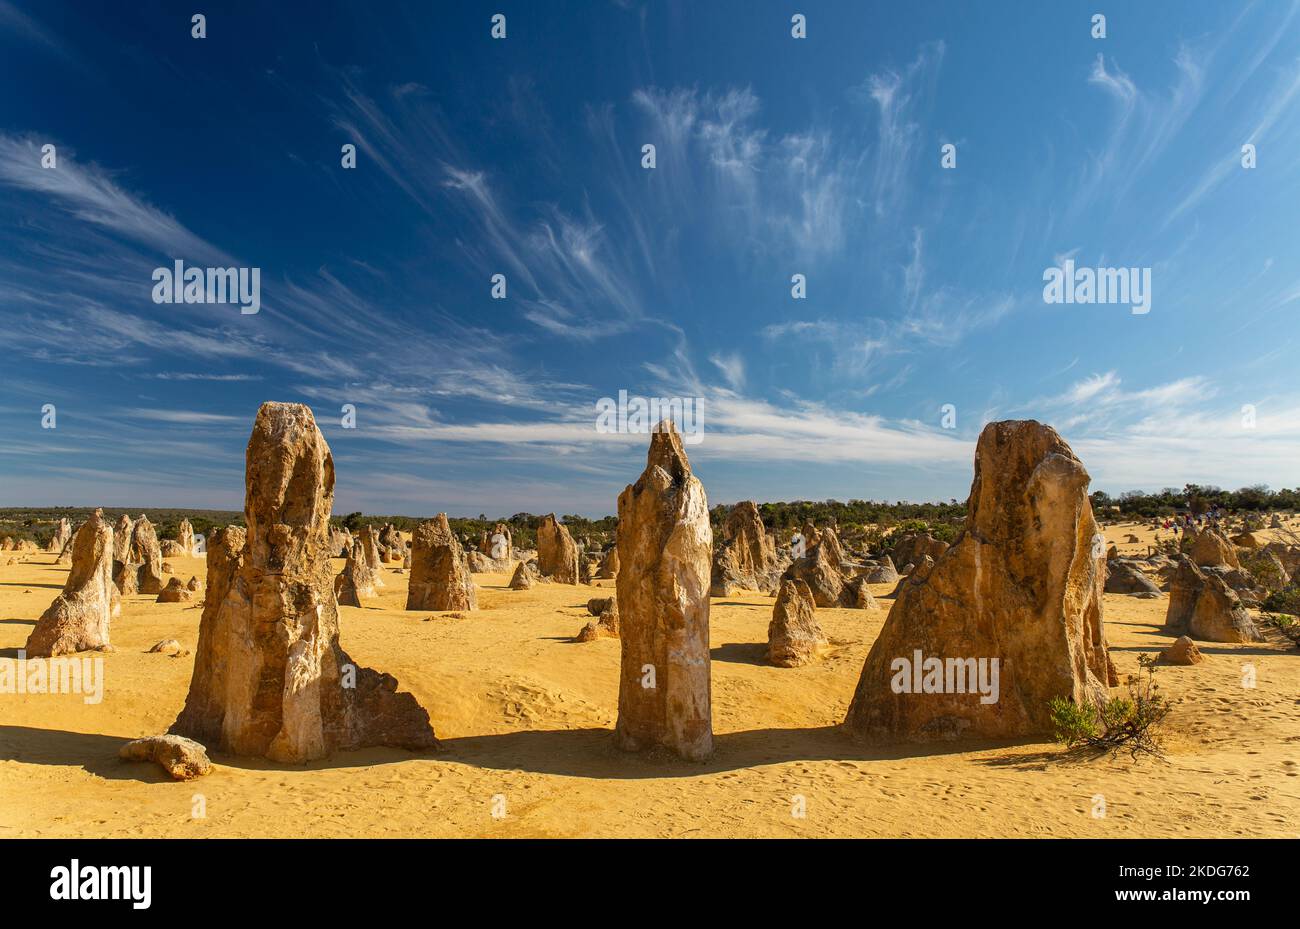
1102	400
901	99
1143	125
90	194
790	194
185	417
18	23
1277	110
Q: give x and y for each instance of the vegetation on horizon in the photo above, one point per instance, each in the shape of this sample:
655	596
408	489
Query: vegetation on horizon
1198	499
861	522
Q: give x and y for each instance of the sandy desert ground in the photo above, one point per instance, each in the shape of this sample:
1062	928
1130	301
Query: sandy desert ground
525	714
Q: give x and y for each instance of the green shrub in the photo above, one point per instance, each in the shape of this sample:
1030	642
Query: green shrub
1128	722
1072	723
1289	626
1284	601
1264	569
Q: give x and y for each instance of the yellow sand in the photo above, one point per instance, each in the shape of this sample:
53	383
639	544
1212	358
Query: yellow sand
525	714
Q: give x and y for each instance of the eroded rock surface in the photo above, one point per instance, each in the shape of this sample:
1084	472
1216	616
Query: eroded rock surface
270	678
1019	586
440	575
664	544
78	619
557	554
794	637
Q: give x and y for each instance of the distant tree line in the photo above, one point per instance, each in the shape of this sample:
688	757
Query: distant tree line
1197	499
860	521
38	524
523	526
850	516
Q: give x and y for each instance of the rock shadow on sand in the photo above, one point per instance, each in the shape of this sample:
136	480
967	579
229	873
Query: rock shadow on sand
93	752
591	752
98	755
754	653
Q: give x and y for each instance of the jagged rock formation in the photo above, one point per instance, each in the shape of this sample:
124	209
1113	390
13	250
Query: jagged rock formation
1124	577
183	759
79	617
370	548
65	553
724	574
175	592
1183	651
142	570
557	555
608	569
270	678
185	536
391	543
821	571
1289	555
912	547
914	573
665	544
522	579
856	595
499	544
62	535
353	582
883	573
830	541
794	637
1273	575
1209	548
1202	605
746	556
1020	587
479	563
606	623
122	540
440	577
126	577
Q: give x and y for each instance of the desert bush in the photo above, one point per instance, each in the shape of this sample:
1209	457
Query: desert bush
1284	623
1129	722
1264	569
1286	601
943	531
1073	724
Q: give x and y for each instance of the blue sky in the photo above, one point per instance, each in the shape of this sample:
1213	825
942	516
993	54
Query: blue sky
522	156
